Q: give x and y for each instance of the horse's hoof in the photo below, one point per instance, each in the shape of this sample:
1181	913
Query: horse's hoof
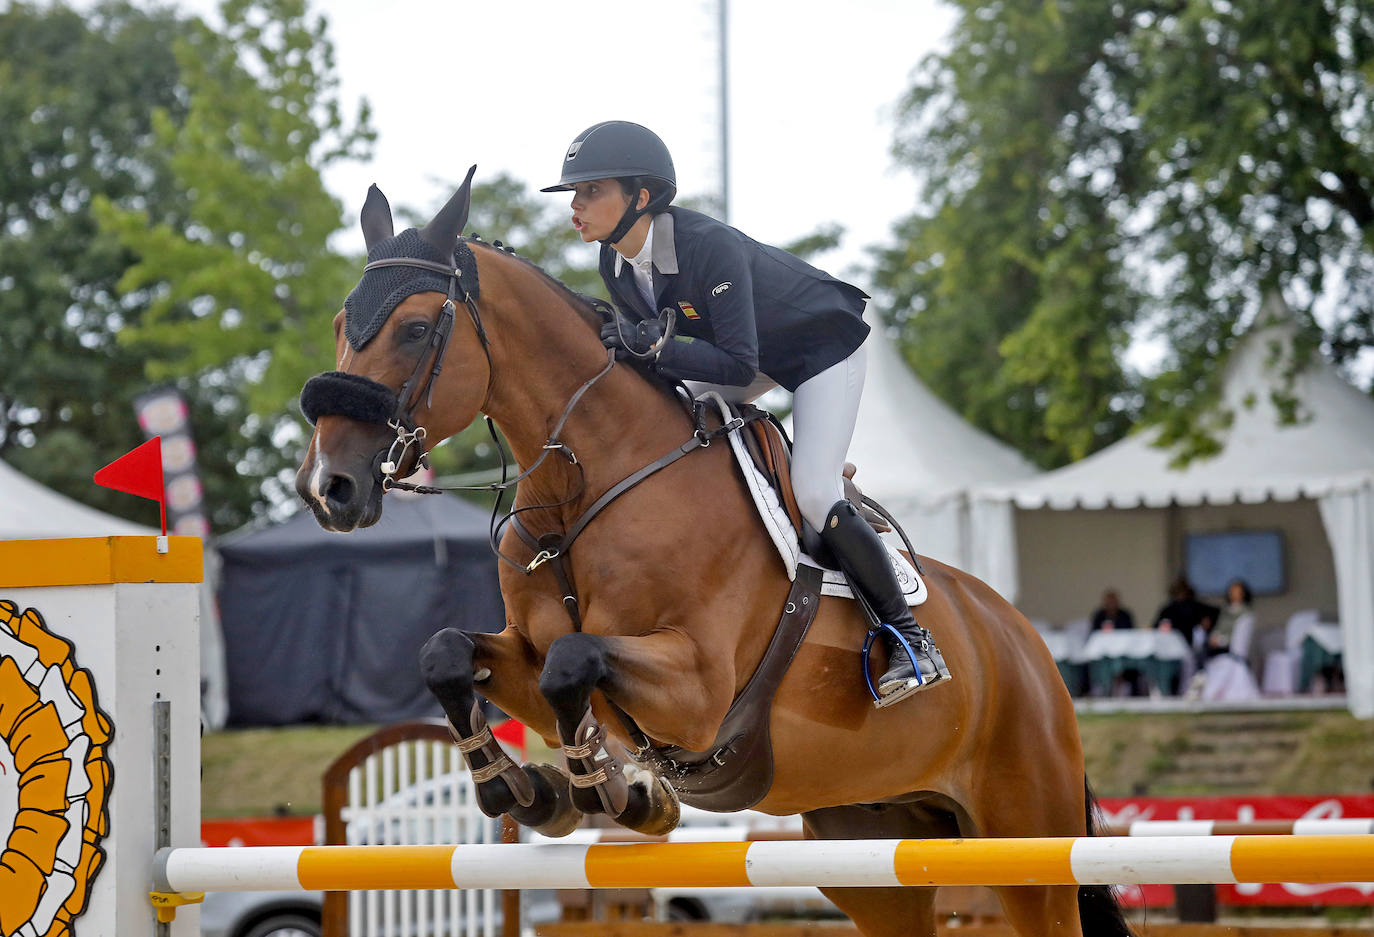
653	808
557	817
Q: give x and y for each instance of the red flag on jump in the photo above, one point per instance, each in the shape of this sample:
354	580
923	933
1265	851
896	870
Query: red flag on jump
139	472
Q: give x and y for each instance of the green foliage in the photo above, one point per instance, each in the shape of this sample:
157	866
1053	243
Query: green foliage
239	286
1097	170
76	91
244	285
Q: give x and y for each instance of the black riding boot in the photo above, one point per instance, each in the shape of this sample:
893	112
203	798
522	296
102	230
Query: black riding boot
867	566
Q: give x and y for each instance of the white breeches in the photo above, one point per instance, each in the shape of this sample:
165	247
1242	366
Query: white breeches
823	412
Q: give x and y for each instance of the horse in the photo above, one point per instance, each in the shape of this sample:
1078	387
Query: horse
658	617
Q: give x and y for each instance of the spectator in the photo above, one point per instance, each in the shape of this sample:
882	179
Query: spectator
1111	616
1184	613
1238	601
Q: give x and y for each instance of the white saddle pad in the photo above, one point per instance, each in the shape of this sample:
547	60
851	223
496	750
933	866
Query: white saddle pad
784	535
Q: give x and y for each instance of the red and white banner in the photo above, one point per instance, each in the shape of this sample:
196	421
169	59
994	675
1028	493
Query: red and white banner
261	831
1121	811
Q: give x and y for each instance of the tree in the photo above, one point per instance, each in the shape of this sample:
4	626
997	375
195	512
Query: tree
1098	171
76	90
239	289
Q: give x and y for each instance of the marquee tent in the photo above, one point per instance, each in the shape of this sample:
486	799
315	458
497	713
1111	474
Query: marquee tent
918	458
1120	517
327	627
29	511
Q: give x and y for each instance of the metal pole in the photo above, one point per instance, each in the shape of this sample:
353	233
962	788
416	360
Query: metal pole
724	112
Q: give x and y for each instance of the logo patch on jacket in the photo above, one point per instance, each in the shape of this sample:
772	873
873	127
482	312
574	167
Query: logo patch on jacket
721	288
689	310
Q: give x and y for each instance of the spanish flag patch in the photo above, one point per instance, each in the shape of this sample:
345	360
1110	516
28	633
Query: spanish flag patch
689	310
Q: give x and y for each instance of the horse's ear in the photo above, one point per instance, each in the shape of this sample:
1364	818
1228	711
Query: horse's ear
376	217
446	226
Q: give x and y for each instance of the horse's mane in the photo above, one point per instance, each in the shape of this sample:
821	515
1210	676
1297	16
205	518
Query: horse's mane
582	304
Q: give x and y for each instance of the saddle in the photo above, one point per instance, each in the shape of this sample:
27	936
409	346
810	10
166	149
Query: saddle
771	451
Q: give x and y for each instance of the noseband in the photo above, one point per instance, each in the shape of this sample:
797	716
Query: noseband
368	401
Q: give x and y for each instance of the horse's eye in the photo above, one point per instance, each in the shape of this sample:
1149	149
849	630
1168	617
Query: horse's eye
416	331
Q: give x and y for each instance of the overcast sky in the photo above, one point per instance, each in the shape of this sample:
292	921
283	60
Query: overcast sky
507	85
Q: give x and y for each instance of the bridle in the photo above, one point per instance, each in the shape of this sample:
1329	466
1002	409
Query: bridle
368	401
402	419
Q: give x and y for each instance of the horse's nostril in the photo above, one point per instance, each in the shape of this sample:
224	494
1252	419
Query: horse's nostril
340	490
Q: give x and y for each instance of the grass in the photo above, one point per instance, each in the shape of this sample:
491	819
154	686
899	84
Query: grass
260	772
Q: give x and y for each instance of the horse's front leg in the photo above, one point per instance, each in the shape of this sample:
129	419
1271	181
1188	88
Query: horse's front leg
575	665
452	662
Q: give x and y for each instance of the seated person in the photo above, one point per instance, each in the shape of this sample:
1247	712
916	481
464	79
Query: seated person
1184	613
1111	615
1238	601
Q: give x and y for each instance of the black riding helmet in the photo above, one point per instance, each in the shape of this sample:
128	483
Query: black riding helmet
618	149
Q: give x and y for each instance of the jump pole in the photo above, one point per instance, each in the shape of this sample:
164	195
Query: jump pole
838	863
99	730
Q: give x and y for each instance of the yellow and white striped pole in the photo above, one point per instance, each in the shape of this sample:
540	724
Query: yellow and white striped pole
837	863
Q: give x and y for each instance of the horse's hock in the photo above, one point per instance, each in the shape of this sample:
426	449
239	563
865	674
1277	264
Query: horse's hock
99	724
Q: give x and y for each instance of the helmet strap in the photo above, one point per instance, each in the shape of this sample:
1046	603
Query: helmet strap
627	221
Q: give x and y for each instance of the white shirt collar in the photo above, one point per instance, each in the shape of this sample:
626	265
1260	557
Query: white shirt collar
643	258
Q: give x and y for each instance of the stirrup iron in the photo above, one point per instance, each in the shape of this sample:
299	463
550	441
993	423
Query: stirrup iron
900	645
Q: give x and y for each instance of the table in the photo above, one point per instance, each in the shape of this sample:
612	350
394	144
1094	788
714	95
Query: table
1064	646
1162	657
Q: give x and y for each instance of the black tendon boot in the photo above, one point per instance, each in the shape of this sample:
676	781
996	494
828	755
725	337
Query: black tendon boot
867	566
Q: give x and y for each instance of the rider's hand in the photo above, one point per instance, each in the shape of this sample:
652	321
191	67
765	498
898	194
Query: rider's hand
630	338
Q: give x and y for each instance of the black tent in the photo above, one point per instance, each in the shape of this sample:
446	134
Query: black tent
327	627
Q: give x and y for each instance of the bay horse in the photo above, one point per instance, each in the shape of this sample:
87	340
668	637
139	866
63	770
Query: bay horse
677	589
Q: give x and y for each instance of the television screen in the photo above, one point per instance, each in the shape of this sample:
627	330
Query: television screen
1213	559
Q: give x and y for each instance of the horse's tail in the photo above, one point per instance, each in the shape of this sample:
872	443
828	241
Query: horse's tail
1098	908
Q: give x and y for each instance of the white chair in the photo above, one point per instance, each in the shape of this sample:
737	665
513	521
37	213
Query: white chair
1282	667
1228	676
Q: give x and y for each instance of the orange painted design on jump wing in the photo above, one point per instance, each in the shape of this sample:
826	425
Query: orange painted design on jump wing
973	862
628	865
44	754
410	867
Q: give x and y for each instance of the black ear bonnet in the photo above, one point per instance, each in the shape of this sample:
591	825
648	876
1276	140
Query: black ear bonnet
381	290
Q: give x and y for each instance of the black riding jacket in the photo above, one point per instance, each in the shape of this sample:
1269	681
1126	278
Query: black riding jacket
742	307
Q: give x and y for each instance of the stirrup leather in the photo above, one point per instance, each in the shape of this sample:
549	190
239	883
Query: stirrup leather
605	775
499	764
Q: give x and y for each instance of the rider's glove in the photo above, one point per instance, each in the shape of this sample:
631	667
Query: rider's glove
630	338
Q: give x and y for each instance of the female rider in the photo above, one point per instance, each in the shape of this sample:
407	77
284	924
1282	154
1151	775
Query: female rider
749	317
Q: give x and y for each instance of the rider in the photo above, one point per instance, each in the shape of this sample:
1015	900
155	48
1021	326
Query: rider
749	317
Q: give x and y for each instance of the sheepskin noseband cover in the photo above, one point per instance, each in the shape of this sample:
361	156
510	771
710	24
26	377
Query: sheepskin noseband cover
335	393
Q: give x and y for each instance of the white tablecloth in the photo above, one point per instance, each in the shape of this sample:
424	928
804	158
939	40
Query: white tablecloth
1134	643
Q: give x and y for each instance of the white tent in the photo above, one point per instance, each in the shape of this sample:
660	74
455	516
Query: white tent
1119	516
29	511
918	457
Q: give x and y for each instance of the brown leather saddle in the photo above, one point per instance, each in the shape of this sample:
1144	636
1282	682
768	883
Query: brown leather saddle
771	451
